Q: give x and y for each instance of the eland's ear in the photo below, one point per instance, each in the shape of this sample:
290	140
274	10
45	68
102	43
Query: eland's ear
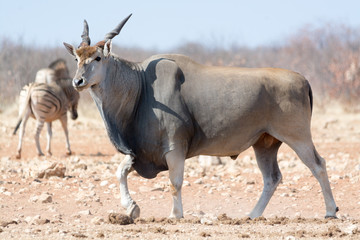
70	48
107	48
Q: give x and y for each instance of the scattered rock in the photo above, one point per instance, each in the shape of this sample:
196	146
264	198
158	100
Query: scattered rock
100	235
45	198
36	220
81	166
104	183
55	170
118	218
85	212
198	181
207	161
97	220
34	198
6	223
79	235
352	229
205	234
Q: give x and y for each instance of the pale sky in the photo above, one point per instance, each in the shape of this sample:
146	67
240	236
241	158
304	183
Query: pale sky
164	25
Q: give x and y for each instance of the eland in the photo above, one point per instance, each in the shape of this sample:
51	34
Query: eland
169	108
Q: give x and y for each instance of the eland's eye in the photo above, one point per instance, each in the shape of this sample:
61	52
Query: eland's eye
98	59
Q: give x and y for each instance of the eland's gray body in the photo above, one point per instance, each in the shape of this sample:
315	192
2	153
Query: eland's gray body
169	108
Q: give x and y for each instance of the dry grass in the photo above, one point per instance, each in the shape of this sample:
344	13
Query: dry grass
328	56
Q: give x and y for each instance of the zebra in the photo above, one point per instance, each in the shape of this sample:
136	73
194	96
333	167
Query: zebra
46	102
56	70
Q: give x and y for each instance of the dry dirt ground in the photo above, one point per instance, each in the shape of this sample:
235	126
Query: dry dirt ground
216	198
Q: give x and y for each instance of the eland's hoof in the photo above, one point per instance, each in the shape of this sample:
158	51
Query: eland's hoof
134	211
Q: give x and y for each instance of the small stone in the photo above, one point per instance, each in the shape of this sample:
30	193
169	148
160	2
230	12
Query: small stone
81	166
206	221
97	220
85	212
55	170
34	198
79	235
7	193
352	229
186	183
42	221
111	186
45	198
198	181
104	183
6	223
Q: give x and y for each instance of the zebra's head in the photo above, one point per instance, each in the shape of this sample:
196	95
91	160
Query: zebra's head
72	96
92	60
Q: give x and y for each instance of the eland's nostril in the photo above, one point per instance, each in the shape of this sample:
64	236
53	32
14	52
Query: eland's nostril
78	82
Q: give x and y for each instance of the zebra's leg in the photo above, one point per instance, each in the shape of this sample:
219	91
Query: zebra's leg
63	121
21	133
49	135
39	126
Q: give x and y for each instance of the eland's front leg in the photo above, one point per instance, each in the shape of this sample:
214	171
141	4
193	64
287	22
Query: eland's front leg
132	209
175	161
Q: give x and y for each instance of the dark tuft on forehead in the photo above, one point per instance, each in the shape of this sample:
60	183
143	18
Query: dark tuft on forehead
85	52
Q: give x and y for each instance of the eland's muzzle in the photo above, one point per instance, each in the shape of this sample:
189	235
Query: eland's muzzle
79	83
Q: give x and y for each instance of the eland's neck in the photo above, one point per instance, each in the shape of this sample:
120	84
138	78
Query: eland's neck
117	98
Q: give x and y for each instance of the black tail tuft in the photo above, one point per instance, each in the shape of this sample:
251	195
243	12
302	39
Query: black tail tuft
17	126
311	97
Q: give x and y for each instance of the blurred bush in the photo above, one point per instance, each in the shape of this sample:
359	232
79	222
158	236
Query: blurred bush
328	56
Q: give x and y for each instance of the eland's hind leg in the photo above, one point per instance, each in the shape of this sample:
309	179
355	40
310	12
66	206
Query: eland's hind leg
266	149
175	160
311	158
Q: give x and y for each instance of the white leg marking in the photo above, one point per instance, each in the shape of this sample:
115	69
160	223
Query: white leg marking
176	160
132	209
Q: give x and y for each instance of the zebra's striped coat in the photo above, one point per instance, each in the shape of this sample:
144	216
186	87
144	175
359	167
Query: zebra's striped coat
46	103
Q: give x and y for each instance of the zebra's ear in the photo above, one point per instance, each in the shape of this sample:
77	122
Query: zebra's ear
107	48
70	48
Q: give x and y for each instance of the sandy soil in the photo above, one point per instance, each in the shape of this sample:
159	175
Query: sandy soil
216	198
